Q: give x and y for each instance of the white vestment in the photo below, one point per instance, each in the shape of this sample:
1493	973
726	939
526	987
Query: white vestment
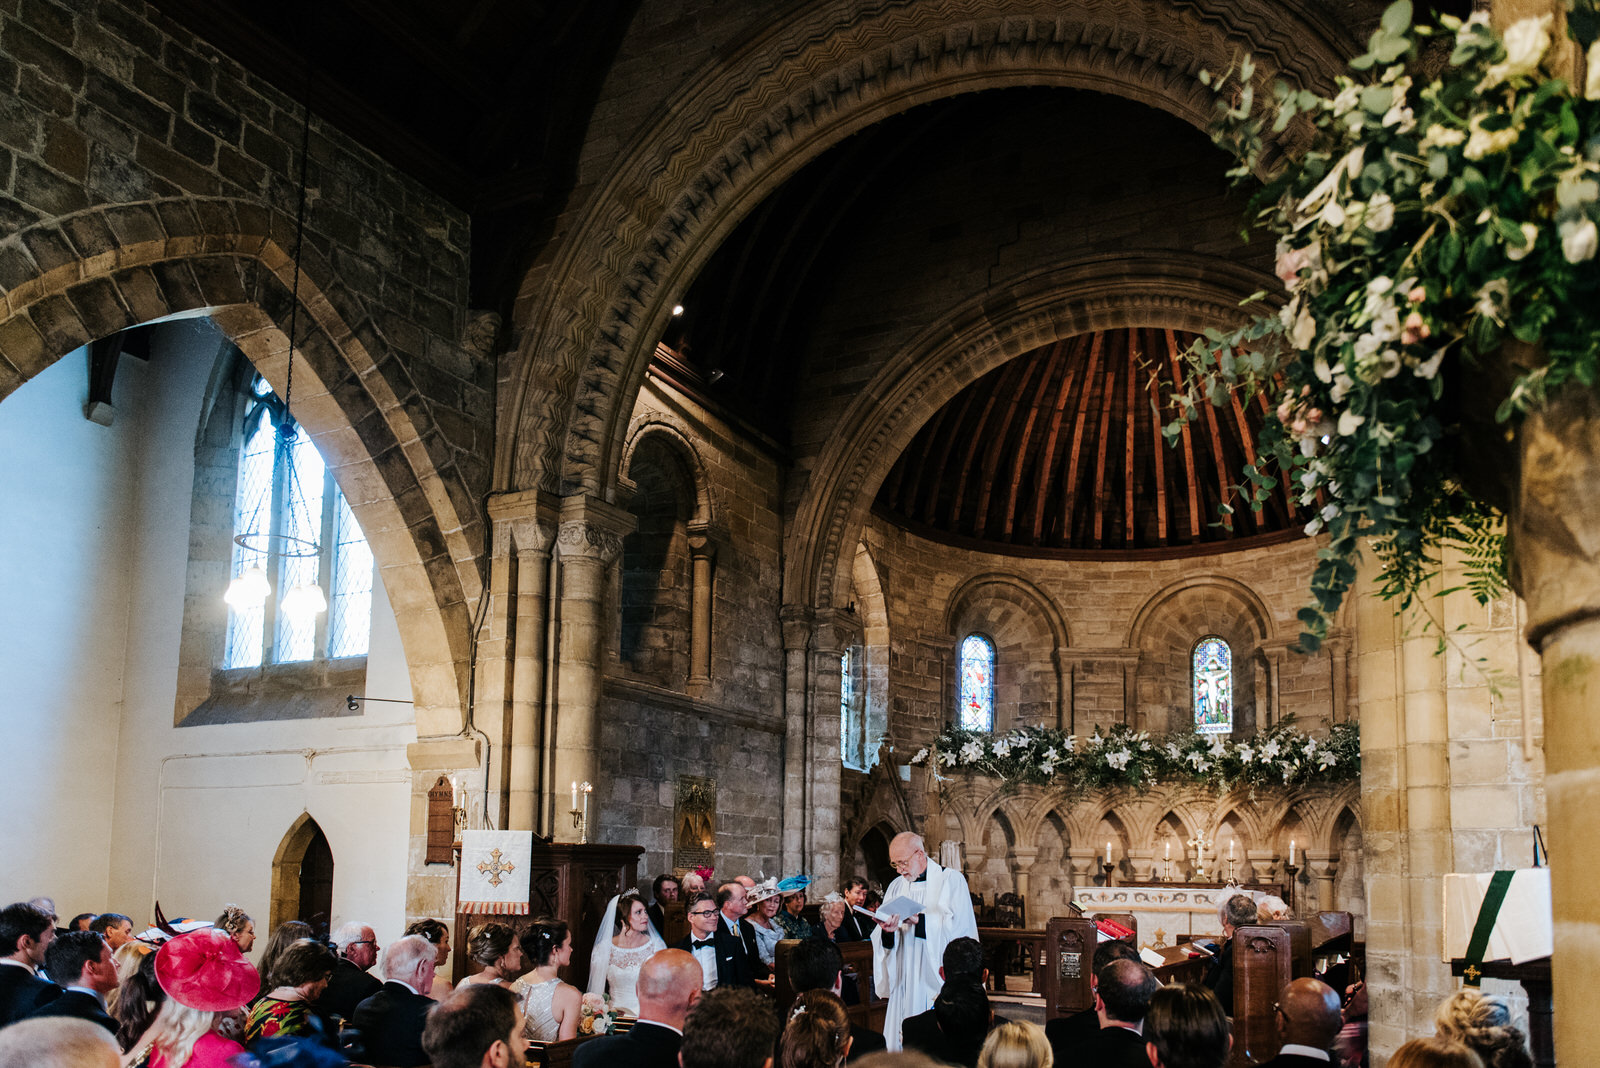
907	973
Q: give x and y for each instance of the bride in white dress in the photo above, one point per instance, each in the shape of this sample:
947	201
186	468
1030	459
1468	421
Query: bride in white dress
626	940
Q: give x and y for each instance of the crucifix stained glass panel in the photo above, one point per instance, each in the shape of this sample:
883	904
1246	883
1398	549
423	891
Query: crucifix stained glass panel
975	709
1213	686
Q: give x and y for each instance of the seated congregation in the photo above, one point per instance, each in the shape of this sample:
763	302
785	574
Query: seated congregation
722	995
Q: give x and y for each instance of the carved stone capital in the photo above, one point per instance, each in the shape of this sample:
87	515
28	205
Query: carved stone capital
797	621
524	521
592	529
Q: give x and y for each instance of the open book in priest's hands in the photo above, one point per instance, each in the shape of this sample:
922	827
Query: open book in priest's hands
907	908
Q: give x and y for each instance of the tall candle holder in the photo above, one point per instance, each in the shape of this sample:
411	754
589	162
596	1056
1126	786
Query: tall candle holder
580	815
1231	865
1107	867
1168	877
1291	871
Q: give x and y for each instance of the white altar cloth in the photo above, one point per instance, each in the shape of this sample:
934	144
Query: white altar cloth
1163	912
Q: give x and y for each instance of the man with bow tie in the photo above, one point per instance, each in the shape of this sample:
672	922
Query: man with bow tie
907	952
720	940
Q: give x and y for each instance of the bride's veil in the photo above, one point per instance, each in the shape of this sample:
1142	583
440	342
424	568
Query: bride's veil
600	959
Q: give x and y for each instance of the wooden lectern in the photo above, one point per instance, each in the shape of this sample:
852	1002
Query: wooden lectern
568	881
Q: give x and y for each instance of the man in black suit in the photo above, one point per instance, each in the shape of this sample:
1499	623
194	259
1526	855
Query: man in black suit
1239	911
478	1026
663	891
391	1021
817	964
726	957
669	984
1067	1033
25	934
351	983
962	963
86	958
1308	1020
1122	998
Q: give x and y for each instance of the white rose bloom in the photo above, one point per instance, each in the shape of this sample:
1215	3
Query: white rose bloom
1579	240
1526	42
1348	423
1441	137
1574	190
1530	234
1380	213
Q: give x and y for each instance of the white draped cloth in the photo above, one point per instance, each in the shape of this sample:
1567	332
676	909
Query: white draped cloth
907	973
611	965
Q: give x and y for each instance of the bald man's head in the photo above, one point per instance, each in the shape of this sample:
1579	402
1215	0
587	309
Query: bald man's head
668	985
57	1043
1309	1013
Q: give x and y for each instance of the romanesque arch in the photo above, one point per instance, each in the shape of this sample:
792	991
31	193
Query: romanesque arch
592	309
375	440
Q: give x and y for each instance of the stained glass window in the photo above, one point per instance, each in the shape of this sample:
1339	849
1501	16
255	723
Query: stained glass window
1213	686
848	727
975	709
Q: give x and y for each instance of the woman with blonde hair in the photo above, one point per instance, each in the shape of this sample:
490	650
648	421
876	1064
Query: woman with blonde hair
1483	1022
495	947
128	957
1435	1052
817	1034
206	980
238	924
1016	1045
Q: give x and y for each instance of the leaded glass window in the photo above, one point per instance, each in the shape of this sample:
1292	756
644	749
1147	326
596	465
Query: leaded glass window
849	728
1213	686
975	707
285	489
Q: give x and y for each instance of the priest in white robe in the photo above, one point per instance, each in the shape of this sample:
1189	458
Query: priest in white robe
907	951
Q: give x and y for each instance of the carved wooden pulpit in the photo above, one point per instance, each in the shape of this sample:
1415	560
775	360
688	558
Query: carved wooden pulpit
567	881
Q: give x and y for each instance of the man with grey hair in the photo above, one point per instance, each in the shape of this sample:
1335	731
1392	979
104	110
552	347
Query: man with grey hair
1238	911
391	1021
351	983
57	1043
908	950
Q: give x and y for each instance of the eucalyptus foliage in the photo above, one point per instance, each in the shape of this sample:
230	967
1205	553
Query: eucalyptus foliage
1281	755
1422	225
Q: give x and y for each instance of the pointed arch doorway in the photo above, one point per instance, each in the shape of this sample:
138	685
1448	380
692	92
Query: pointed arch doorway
302	876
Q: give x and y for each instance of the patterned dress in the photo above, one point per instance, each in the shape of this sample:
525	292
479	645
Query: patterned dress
767	939
541	1025
793	926
271	1017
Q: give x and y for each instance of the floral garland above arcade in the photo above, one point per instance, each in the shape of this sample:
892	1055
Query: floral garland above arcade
1281	755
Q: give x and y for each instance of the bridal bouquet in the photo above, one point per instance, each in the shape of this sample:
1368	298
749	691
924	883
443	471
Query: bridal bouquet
596	1016
1426	225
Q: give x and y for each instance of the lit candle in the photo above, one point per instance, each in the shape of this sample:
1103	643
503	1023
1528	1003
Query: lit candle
455	792
1291	852
574	795
1231	843
1108	851
1169	849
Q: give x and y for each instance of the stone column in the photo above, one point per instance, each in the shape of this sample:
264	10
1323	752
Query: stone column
796	621
1556	568
1143	863
975	859
703	555
823	770
534	538
1022	858
1324	866
1261	864
1084	864
588	544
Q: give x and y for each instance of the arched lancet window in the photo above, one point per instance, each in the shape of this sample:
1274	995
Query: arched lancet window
1213	686
975	707
284	488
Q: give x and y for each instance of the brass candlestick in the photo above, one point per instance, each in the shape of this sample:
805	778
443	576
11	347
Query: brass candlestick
580	816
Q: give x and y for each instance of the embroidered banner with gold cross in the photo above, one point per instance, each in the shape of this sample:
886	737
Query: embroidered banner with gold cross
494	872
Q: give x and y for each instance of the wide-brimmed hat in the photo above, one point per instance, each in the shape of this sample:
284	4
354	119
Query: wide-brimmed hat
794	884
204	970
762	890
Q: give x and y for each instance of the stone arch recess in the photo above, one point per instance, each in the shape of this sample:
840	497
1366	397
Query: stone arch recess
812	77
680	444
1187	292
285	900
241	279
1252	601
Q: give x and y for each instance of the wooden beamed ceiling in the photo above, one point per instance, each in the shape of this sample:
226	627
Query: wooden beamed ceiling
1060	450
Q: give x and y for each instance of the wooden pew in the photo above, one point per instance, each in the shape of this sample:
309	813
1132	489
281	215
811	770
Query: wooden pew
1262	967
1299	946
1003	944
1333	936
675	922
556	1054
857	963
1066	964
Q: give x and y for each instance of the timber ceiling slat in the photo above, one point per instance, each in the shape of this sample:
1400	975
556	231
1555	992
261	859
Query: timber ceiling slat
1131	419
970	397
1108	394
1070	488
1025	390
1040	400
1047	463
976	437
1159	454
1187	441
1219	461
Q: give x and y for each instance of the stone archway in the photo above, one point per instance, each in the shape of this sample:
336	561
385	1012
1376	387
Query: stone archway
302	876
775	102
371	435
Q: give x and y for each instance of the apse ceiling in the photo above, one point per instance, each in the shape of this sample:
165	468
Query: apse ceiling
1060	451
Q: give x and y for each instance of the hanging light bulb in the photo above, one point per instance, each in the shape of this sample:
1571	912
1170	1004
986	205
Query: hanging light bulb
249	589
304	601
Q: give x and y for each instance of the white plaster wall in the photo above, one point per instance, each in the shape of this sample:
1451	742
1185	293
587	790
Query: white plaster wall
94	527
